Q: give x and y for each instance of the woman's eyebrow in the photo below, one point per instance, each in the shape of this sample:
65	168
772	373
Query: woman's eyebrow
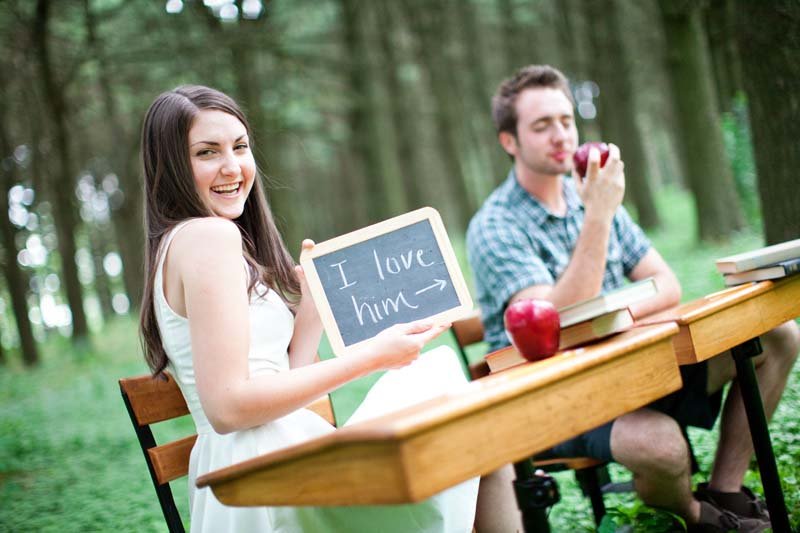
214	143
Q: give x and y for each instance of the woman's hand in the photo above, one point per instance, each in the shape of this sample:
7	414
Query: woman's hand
305	308
399	345
307	324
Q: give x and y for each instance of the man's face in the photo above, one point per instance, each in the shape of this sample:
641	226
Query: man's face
546	133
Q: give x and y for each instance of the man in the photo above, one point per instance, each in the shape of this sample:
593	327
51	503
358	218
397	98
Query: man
544	235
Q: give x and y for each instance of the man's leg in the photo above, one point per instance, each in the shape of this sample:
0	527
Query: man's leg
734	450
651	445
497	510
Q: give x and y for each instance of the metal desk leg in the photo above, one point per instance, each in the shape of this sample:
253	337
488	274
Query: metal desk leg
535	493
751	397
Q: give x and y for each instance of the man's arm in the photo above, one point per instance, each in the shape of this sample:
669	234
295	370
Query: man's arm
669	288
583	277
601	192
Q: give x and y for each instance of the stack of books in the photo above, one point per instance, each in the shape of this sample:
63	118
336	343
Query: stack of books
587	321
771	262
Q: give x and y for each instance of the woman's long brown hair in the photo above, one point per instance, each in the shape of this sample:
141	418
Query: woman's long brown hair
171	197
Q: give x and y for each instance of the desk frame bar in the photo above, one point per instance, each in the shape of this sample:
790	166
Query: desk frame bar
529	491
759	432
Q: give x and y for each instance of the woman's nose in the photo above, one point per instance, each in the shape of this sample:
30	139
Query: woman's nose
231	167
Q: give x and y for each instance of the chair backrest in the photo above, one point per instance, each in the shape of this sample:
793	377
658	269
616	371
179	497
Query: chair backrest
150	400
469	331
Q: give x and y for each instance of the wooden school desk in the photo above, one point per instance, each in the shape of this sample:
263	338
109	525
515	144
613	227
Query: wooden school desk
733	319
417	452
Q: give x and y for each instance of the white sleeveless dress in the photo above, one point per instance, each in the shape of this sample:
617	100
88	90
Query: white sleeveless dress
271	325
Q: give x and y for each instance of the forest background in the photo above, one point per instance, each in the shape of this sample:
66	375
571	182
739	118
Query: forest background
364	109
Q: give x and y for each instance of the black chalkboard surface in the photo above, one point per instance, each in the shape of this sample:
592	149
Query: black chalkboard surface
399	270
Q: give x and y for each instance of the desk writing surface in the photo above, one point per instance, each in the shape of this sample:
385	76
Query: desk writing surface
412	454
717	322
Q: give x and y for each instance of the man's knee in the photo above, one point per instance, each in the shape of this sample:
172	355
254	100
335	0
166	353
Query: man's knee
782	343
648	442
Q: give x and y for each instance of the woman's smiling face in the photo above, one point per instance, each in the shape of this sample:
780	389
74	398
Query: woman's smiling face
222	162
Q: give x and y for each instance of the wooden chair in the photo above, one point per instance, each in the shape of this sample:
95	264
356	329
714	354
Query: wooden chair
150	400
588	471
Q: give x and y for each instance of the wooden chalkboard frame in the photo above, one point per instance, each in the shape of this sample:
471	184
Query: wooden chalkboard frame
364	234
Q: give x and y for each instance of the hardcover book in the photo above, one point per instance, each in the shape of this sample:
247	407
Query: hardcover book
572	336
778	270
605	303
758	258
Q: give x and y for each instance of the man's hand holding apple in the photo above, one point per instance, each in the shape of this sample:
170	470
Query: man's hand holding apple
603	187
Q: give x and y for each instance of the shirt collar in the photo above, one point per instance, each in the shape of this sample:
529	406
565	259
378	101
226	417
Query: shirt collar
520	198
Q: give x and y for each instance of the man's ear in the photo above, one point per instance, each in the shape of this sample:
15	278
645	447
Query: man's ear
509	142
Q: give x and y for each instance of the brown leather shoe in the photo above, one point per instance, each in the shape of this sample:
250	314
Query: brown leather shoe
716	520
743	503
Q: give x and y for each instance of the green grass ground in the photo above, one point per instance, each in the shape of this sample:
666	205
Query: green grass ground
69	460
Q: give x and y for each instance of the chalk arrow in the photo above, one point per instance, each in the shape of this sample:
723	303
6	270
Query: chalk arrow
439	283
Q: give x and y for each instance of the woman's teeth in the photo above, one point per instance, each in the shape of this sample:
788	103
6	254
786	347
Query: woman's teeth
226	189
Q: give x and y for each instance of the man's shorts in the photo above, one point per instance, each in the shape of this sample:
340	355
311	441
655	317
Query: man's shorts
689	406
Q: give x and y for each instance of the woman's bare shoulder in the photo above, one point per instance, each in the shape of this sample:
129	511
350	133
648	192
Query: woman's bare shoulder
206	238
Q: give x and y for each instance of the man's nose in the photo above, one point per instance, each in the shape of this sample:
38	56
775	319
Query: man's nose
559	132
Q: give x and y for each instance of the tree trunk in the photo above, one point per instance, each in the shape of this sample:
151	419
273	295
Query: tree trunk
720	20
617	110
62	185
102	285
16	279
573	31
408	158
429	26
3	358
363	121
493	160
129	236
772	80
707	167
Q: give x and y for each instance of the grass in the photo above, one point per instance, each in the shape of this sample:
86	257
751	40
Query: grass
69	460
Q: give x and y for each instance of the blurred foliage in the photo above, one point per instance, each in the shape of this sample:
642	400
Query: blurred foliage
739	146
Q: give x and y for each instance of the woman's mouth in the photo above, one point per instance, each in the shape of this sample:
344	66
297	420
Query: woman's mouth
229	189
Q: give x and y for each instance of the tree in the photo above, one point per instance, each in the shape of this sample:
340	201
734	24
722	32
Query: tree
62	182
707	170
720	21
618	110
430	25
16	279
769	53
124	161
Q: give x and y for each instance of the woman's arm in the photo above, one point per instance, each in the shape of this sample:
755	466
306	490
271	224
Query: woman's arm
208	257
307	324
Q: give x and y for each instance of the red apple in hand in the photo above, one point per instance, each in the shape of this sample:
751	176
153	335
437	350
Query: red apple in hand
533	327
581	156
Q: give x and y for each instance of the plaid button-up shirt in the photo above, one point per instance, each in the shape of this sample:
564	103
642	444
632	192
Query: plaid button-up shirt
514	242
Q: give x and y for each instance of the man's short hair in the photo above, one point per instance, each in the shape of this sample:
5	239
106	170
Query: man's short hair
504	101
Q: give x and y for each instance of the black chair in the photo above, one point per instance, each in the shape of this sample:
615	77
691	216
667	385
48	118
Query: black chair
590	473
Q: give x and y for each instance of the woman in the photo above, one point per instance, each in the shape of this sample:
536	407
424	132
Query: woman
226	311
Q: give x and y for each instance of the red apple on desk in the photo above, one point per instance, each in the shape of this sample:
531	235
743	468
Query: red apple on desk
581	156
533	327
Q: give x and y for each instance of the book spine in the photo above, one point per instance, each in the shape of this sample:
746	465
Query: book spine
791	268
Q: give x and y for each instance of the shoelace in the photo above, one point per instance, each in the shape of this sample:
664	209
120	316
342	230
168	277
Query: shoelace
759	508
729	520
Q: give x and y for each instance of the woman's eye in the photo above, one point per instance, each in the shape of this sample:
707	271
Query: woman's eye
201	153
241	146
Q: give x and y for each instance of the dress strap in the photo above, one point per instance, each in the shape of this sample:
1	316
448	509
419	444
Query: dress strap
163	246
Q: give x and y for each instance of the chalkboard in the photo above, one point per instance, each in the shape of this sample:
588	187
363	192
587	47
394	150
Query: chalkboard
399	270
